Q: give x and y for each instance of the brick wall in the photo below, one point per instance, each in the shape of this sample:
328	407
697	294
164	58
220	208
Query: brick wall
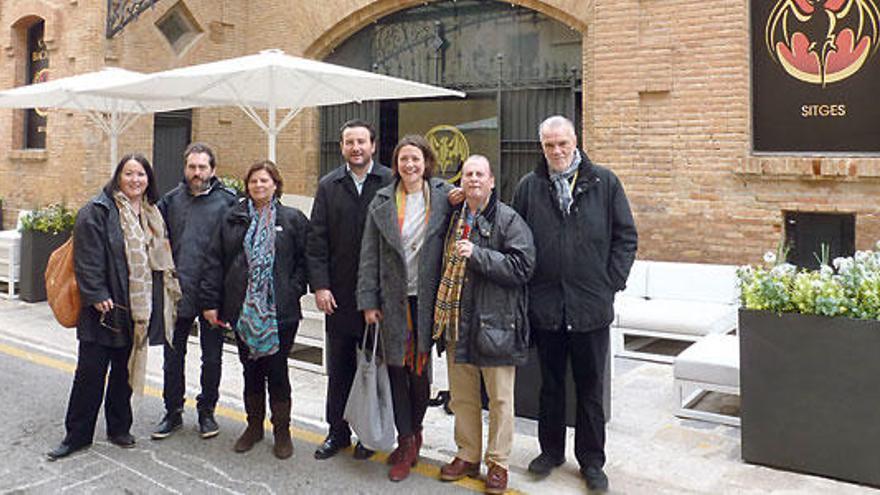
666	105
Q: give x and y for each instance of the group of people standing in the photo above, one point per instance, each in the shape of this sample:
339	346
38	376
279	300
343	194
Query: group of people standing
428	263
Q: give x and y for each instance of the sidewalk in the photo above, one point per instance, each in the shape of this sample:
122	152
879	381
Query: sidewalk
650	451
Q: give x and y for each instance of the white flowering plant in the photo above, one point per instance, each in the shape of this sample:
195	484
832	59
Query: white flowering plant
847	286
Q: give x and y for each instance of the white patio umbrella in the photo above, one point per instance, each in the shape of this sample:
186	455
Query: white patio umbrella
272	80
113	114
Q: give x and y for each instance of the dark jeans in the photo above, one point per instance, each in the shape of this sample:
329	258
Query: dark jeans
587	352
87	393
341	367
174	388
268	371
409	391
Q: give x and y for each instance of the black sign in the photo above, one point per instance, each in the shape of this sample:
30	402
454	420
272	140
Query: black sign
816	75
38	71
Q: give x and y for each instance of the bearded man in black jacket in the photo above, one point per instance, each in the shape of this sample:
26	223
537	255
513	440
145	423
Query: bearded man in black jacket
586	243
192	212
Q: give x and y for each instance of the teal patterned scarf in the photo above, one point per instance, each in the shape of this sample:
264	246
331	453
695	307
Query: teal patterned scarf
258	325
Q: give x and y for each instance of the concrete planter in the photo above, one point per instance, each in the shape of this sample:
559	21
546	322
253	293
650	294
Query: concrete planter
35	250
810	389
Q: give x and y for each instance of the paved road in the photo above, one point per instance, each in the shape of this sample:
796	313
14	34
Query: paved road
33	400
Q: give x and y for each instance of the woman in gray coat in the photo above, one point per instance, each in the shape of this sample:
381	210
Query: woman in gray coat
400	267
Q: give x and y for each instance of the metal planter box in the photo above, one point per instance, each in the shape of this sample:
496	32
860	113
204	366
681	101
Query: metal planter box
810	390
35	250
527	390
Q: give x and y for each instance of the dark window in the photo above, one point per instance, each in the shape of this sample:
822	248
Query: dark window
173	28
37	71
179	27
807	233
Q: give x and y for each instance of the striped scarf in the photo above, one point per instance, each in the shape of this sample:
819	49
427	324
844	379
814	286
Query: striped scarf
258	324
410	360
447	308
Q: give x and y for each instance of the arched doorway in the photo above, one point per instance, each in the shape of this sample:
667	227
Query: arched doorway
516	65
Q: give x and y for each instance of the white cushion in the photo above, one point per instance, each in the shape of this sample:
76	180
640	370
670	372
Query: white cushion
692	282
713	359
637	282
674	316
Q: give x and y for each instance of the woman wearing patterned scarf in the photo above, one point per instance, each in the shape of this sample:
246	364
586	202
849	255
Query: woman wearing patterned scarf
129	291
400	266
253	278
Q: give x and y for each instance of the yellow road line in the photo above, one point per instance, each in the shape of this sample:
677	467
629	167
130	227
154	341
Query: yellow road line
424	469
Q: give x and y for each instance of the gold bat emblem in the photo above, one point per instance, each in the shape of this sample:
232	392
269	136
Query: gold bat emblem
450	147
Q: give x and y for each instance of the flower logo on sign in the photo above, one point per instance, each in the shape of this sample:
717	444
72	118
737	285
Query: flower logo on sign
822	41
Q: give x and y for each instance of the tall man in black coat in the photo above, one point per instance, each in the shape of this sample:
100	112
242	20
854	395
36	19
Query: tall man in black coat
334	246
192	212
586	243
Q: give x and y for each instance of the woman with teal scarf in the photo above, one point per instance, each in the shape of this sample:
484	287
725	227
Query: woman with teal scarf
254	276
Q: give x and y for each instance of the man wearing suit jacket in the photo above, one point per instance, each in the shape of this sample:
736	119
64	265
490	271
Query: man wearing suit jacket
333	252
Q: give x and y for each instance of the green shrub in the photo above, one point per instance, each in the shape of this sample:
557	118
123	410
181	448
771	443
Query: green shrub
233	182
50	219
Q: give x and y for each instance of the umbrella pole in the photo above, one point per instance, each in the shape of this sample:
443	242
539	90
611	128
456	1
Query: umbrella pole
114	150
273	133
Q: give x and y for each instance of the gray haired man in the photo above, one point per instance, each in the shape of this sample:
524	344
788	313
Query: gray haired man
586	243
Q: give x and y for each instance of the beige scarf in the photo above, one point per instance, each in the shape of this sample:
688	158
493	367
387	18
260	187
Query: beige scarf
146	250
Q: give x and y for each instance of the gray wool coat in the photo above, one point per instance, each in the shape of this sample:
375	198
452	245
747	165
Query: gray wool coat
382	271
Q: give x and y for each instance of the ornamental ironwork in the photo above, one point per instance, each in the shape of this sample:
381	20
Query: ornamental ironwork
121	12
467	44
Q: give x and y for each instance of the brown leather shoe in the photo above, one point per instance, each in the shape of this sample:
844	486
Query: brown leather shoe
496	480
458	469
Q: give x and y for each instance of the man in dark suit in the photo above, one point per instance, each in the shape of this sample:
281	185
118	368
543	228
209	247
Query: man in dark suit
333	252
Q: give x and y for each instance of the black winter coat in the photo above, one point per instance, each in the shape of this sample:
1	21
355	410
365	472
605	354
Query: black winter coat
192	221
334	246
102	273
225	272
584	257
494	328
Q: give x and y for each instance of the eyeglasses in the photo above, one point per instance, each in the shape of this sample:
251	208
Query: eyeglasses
107	322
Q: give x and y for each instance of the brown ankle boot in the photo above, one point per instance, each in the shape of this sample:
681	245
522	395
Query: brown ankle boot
397	453
281	429
255	407
409	457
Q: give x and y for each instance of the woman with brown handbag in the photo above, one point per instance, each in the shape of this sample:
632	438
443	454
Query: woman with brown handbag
121	252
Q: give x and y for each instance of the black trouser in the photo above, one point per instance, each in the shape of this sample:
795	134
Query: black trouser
342	344
174	388
409	391
268	371
88	392
587	352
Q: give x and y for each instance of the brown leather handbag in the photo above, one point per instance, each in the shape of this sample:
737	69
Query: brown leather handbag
61	288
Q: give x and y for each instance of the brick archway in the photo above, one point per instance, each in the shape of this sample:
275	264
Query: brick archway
355	21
